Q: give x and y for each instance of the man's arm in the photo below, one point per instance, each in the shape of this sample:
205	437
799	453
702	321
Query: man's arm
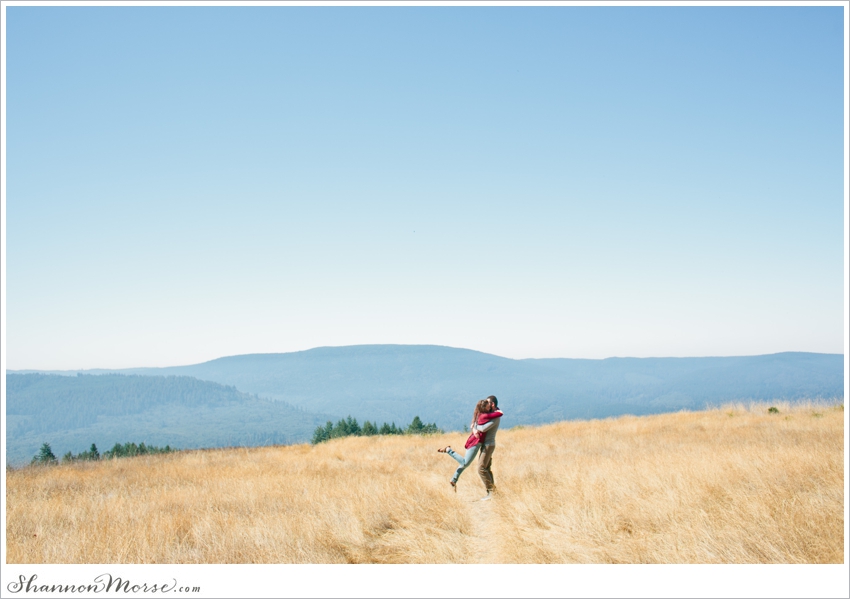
483	428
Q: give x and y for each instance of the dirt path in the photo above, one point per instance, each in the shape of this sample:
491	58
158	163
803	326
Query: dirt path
483	538
485	541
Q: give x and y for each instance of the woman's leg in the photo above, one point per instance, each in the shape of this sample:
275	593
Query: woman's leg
465	461
458	458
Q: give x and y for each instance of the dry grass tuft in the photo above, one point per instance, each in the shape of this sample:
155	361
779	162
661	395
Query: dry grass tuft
702	487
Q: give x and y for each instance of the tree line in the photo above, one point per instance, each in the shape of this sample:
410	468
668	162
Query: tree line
45	456
349	427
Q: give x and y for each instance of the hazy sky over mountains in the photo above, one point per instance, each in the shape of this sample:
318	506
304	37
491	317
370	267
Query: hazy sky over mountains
185	183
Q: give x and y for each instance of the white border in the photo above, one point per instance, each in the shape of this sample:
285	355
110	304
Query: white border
449	581
454	581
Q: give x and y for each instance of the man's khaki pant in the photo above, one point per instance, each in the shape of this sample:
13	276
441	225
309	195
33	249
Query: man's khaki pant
485	460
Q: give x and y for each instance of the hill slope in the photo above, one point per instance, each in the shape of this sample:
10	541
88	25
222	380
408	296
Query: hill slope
71	413
440	384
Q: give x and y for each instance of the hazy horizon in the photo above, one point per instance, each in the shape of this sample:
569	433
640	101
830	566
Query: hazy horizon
137	366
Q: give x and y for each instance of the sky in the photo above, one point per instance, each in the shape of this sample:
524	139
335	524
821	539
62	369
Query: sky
186	183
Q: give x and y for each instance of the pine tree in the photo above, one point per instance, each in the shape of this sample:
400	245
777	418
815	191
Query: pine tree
415	427
340	429
431	429
45	456
322	433
369	429
353	427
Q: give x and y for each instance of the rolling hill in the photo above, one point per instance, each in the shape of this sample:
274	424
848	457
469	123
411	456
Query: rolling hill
441	384
397	382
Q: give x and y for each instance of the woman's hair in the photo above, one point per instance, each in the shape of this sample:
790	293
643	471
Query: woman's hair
480	408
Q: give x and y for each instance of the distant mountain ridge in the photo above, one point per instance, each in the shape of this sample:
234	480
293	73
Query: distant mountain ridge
441	384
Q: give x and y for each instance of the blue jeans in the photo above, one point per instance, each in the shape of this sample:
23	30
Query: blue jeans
464	461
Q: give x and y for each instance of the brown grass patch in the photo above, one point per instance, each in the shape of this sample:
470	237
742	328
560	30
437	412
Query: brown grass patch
675	488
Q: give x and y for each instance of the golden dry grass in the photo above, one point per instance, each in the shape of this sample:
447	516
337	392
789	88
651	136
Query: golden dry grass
733	485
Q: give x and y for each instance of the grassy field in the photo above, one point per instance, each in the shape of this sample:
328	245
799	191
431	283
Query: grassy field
732	485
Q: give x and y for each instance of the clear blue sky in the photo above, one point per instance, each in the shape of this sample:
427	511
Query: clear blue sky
186	183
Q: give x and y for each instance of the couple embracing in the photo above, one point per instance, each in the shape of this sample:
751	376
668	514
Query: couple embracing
482	442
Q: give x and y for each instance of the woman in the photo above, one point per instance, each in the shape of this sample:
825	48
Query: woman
483	413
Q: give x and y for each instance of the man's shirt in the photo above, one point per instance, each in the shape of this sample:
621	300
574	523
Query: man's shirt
489	429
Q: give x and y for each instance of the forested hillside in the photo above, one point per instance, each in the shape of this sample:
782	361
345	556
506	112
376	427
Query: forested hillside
71	413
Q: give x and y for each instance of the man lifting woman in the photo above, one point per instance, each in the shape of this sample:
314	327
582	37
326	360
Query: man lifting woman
482	442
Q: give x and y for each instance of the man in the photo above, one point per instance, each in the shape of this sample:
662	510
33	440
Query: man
488	446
